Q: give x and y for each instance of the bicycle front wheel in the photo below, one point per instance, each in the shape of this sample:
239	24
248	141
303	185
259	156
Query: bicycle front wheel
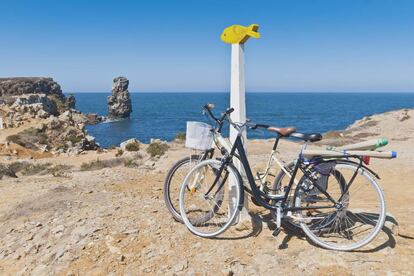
357	218
214	192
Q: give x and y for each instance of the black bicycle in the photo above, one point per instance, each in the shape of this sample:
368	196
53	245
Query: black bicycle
317	196
269	182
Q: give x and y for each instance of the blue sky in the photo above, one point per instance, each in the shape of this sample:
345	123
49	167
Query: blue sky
160	45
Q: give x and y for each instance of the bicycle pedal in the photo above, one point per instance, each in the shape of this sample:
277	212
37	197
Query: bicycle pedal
276	231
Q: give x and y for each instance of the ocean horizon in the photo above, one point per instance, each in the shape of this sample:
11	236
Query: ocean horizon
164	114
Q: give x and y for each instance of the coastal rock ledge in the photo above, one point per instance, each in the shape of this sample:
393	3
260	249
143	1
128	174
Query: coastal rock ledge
25	98
119	103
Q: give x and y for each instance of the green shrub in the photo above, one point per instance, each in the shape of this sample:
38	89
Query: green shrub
73	138
18	166
130	163
133	146
93	165
58	170
180	136
28	138
157	148
61	146
6	171
17	139
119	153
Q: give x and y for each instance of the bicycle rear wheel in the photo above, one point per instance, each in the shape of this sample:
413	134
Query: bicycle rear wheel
355	221
208	193
173	181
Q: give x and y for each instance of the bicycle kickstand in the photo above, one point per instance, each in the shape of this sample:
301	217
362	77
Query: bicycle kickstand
278	222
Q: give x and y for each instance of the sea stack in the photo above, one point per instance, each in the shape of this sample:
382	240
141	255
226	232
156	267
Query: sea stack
119	103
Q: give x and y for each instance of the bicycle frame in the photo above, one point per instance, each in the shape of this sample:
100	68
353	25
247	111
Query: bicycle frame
257	193
221	142
280	200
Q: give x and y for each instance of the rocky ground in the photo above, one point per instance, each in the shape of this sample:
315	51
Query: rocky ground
112	220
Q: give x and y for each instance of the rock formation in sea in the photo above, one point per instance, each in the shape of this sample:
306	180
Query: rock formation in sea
119	103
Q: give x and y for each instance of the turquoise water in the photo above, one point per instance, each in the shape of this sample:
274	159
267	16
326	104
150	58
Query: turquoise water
163	115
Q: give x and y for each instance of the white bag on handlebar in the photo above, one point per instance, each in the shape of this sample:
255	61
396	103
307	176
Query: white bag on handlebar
198	136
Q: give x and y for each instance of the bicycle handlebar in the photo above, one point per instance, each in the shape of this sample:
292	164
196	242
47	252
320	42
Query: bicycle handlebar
255	126
220	121
209	107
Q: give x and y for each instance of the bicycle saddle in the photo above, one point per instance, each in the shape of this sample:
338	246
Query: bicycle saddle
282	131
311	137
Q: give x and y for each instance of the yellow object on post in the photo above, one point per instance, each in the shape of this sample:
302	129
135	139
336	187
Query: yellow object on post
237	34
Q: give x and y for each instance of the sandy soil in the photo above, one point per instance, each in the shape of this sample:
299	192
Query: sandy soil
114	221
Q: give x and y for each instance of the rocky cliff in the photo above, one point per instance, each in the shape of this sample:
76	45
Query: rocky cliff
24	98
60	127
119	103
35	85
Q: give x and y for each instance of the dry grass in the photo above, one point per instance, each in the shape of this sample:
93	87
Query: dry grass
101	164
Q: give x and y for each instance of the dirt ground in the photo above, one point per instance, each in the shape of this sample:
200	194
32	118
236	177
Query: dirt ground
114	221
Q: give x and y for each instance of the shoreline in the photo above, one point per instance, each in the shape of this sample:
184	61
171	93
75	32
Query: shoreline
330	133
330	138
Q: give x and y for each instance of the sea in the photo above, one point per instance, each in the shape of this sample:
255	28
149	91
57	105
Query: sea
164	115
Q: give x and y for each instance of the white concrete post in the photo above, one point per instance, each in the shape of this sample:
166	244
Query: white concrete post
237	88
238	102
237	35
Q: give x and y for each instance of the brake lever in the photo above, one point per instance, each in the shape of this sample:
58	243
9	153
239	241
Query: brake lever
254	127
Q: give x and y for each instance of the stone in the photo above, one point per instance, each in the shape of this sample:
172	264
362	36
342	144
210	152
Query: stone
58	229
180	266
131	231
42	114
93	118
65	116
119	103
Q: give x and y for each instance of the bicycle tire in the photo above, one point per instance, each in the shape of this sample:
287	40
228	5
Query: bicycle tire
236	199
175	212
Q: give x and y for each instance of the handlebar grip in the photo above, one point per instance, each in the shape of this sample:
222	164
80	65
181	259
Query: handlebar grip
209	106
260	126
229	110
